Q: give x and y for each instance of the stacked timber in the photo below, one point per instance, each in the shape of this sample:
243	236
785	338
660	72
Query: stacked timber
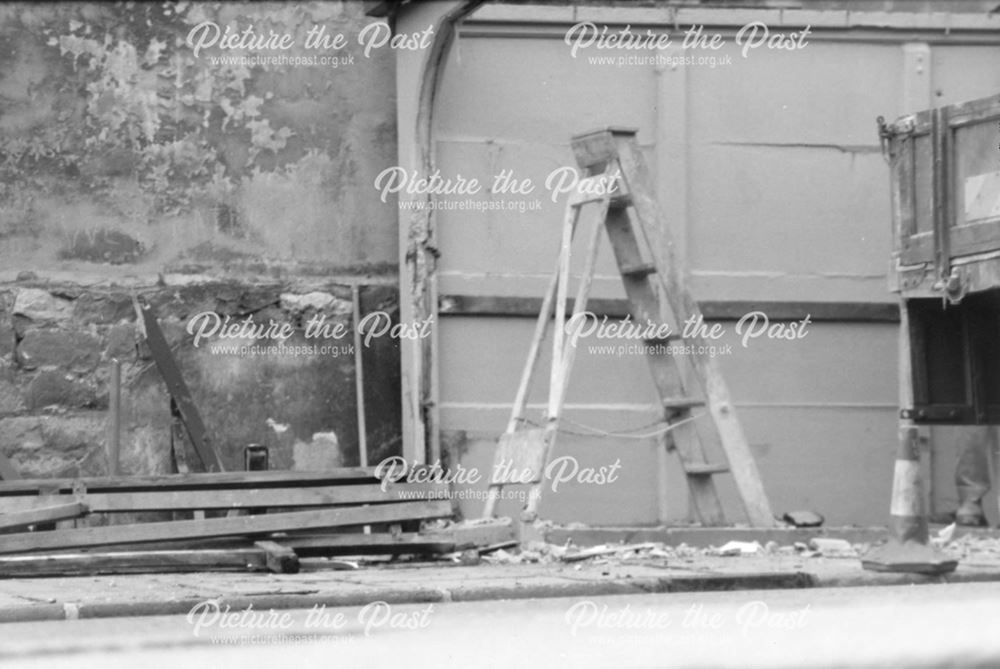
262	520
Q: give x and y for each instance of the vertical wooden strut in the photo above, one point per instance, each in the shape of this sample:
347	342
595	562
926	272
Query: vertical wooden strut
626	211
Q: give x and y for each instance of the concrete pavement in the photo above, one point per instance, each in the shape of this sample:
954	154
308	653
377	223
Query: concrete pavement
58	598
944	626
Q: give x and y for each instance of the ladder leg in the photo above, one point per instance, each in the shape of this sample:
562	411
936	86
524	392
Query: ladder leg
559	330
580	303
541	330
557	391
521	400
682	304
557	285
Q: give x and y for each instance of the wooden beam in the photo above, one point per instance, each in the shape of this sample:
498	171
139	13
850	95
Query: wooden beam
114	416
43	514
279	559
219	480
250	498
133	562
222	527
359	376
431	542
718	310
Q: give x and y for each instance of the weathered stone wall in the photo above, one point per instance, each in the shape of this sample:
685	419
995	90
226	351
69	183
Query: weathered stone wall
56	347
130	164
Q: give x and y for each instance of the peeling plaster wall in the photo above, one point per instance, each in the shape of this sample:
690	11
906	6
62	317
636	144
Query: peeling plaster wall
244	168
130	165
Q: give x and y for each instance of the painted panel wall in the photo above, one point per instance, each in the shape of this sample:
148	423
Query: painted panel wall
819	414
772	181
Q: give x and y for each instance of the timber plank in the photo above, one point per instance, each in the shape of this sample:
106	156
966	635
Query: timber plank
118	501
133	562
271	478
47	513
279	559
713	310
221	527
433	541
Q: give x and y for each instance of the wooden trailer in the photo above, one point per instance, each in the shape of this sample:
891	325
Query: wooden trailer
945	165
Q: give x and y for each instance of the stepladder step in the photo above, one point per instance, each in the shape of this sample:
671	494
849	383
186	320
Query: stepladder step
705	468
653	340
638	270
620	201
681	403
707	441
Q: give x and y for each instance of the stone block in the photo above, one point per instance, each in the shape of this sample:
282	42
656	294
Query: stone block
68	350
55	446
10	396
40	305
54	388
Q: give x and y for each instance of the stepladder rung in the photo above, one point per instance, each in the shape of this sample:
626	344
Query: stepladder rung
638	270
708	441
680	403
657	340
705	468
620	201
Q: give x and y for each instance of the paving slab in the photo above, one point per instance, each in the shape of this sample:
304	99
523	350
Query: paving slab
57	598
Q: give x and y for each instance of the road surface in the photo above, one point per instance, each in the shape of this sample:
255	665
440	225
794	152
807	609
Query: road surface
929	625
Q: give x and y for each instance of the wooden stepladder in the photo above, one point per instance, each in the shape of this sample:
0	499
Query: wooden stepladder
689	385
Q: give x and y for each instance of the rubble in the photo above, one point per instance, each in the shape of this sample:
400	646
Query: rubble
833	547
803	518
740	548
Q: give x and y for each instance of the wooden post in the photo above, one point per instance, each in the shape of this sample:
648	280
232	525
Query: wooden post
359	379
115	416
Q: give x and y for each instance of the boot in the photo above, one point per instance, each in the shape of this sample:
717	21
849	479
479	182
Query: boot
972	476
970	514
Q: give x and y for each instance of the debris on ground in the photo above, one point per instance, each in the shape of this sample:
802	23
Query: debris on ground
739	548
944	535
600	551
803	518
828	547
